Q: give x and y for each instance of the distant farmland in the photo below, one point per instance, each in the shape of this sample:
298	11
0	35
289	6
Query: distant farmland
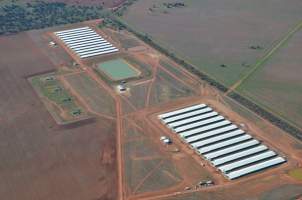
278	85
223	39
226	40
105	3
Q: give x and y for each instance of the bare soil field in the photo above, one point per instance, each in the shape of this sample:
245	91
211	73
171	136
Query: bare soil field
217	36
278	84
41	160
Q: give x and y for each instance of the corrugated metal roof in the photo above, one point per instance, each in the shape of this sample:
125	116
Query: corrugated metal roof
227	147
179	111
193	119
82	39
88	44
239	154
231	149
204	128
72	30
246	161
224	144
186	115
211	133
82	51
198	124
95	39
98	53
217	138
93	46
255	168
85	42
80	35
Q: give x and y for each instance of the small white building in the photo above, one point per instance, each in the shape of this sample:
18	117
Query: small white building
165	140
52	44
122	88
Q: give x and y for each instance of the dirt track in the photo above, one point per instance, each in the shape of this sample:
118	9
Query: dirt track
41	160
205	94
88	160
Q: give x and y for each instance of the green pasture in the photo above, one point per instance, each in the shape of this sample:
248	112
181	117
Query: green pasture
51	89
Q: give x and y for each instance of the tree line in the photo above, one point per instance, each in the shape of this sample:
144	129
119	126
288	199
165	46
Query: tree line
16	17
277	121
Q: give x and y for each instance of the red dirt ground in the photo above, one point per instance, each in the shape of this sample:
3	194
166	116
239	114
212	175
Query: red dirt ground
202	93
41	160
86	160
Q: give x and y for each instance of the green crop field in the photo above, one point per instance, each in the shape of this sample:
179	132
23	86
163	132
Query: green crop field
60	103
118	69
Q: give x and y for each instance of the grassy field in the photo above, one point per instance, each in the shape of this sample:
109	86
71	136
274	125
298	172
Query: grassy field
296	173
118	69
126	41
277	85
166	89
218	37
138	95
60	103
146	170
96	97
283	192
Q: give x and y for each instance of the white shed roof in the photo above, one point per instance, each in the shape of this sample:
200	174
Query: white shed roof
180	111
231	149
217	138
239	154
187	115
255	168
211	133
224	144
246	161
204	128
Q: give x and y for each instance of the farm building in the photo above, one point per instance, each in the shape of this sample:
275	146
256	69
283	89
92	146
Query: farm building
227	147
85	42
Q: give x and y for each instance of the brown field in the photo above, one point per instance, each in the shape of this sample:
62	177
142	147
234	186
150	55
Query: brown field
277	85
41	160
118	155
